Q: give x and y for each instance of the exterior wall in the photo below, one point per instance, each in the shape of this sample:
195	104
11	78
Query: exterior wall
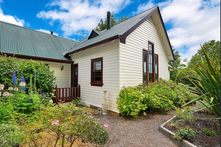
63	77
93	95
131	55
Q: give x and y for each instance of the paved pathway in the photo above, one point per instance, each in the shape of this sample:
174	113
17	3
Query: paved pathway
140	132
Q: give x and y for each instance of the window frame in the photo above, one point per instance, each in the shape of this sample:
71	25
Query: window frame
153	62
96	83
146	67
157	67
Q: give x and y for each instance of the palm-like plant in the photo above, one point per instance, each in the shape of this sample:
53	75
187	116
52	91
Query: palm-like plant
208	85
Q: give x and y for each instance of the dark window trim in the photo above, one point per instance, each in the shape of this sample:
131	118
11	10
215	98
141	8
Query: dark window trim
153	61
146	83
72	74
97	83
157	67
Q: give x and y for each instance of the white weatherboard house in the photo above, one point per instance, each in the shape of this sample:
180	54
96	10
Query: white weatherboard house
132	52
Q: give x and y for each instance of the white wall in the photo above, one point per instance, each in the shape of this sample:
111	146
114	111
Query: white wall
131	65
63	77
93	95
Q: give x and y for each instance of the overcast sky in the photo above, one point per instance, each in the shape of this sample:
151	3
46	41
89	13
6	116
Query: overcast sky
189	23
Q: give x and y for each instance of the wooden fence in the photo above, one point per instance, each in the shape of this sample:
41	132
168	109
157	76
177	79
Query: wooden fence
66	94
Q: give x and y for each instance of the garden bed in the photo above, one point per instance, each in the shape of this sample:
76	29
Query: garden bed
199	124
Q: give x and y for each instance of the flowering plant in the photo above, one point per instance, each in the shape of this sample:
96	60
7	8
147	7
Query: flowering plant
2	86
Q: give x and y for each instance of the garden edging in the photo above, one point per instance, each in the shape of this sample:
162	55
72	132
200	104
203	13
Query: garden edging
168	133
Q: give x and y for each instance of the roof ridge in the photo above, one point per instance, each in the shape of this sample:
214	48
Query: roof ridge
35	30
133	16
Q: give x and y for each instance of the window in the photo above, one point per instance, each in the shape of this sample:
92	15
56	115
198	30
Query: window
151	61
156	68
145	67
150	65
97	72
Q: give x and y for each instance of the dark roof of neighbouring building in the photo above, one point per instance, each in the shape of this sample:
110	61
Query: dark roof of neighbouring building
32	43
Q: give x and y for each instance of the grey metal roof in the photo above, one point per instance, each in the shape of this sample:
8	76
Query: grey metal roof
118	29
23	41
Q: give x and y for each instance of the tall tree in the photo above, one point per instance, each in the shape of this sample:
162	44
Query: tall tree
176	64
102	25
212	48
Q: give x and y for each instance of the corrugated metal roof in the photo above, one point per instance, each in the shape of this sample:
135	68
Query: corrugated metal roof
19	40
118	29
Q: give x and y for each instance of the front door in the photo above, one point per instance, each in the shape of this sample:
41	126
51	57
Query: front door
74	75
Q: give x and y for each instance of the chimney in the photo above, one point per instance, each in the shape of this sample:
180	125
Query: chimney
108	20
51	32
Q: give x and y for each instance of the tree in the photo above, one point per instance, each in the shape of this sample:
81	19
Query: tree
102	25
212	48
176	64
121	19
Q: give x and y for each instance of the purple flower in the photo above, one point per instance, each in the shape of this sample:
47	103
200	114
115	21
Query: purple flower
43	93
31	101
35	75
14	78
4	141
106	125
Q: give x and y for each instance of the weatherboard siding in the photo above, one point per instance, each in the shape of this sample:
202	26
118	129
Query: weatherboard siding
63	77
131	55
93	95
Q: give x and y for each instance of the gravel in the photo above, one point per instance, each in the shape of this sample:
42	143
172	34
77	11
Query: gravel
138	132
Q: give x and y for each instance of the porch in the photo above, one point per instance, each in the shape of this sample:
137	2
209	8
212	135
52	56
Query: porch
68	94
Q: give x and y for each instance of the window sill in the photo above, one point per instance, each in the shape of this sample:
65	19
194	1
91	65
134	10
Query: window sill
97	84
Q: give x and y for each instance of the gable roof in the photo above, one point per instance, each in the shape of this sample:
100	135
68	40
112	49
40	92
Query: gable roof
121	31
28	43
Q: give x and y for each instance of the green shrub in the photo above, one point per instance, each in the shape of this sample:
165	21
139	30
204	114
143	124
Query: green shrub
209	132
45	79
10	135
184	75
208	84
163	95
185	133
130	101
92	132
186	114
67	123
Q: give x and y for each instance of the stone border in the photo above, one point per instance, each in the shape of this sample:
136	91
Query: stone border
168	133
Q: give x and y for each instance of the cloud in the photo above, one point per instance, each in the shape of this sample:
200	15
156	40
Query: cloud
191	23
11	19
80	15
144	7
47	31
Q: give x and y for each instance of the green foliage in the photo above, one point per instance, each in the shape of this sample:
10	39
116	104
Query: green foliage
208	132
76	101
212	48
184	75
102	25
91	131
162	95
201	107
176	64
67	123
45	79
185	133
130	101
10	135
208	84
186	114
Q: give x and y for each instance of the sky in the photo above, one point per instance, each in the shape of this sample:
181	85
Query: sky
189	23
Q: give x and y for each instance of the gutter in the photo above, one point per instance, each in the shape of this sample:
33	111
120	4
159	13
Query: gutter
92	45
37	58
